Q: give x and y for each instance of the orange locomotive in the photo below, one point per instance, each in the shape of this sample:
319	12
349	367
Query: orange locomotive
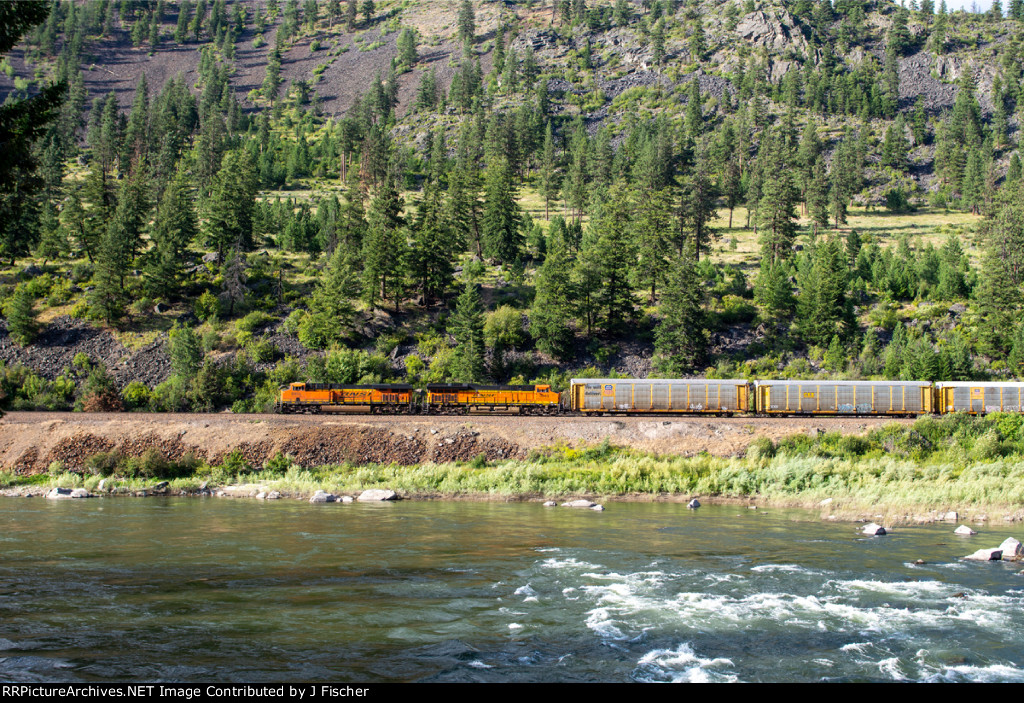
457	398
312	397
446	399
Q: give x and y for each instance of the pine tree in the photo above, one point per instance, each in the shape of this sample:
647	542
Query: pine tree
466	22
658	43
186	352
230	205
184	15
553	303
835	356
272	78
549	189
500	223
384	247
681	338
653	223
331	312
732	186
823	305
351	13
698	207
433	248
776	214
837	197
21	319
698	43
407	53
817	194
174	229
999	296
612	247
773	291
952	282
466	326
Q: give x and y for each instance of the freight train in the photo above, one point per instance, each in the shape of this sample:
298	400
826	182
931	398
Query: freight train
632	396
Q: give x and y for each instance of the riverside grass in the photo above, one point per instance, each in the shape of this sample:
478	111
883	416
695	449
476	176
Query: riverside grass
950	463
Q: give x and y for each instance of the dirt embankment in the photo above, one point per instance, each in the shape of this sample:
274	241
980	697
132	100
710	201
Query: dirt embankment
30	442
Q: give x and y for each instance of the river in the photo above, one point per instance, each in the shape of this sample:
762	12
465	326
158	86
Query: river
212	590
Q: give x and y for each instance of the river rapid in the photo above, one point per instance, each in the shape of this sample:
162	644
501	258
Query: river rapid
213	590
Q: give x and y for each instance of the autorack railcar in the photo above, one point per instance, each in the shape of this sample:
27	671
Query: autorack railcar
978	397
843	397
631	395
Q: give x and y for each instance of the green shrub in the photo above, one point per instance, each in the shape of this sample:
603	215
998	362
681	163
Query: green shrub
292	322
253	321
504	328
234	464
279	464
760	449
103	463
79	310
135	395
207	307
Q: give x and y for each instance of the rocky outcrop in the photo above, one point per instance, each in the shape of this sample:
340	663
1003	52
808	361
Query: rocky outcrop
54	350
775	31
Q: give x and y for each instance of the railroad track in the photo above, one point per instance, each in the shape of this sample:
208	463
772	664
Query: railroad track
328	416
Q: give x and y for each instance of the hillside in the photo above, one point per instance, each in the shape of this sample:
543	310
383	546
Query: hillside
239	194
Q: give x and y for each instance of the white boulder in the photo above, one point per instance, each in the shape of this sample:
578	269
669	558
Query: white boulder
322	497
1012	549
376	495
964	531
68	493
873	530
986	555
579	504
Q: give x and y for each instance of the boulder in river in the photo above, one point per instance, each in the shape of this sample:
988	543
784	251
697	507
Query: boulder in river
986	555
322	497
1012	549
964	531
693	504
582	503
376	495
873	529
68	493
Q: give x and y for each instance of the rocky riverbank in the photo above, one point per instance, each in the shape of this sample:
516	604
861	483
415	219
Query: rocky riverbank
30	443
